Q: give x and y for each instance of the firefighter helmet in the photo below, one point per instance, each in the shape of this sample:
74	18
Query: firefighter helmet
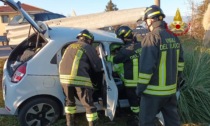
152	12
85	33
124	32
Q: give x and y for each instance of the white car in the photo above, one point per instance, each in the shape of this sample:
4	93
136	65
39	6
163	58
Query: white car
31	86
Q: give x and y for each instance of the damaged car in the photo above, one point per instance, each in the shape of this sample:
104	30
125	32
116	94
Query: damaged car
31	86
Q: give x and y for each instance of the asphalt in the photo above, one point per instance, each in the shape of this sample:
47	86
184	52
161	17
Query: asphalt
4	51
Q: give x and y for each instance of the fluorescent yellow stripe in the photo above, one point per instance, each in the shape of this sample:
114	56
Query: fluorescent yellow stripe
92	117
87	36
79	83
76	62
70	110
143	81
127	33
130	85
73	77
160	93
154	13
135	109
177	58
180	69
147	10
161	88
146	76
181	64
162	69
135	69
121	32
131	81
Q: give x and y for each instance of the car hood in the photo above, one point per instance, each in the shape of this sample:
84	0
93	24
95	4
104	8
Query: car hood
17	7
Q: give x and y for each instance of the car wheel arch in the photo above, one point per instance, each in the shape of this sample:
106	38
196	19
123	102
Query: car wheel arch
53	98
38	96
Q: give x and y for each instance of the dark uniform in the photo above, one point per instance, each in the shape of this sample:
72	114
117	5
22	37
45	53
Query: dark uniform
161	59
79	61
129	55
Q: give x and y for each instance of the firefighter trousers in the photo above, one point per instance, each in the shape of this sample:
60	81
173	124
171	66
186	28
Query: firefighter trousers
84	95
152	105
133	99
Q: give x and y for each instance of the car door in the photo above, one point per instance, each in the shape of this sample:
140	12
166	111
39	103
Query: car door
111	88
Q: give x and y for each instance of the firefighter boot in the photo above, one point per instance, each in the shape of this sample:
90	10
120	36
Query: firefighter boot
93	123
70	120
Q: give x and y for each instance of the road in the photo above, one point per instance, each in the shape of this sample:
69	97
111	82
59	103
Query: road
4	51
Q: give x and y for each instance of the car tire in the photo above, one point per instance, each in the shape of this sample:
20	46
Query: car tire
40	111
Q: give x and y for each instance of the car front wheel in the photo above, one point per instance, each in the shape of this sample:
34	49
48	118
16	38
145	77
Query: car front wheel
40	111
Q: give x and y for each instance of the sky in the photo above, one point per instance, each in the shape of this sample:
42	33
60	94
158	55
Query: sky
82	7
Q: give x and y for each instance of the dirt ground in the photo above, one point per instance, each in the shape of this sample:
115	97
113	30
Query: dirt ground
0	82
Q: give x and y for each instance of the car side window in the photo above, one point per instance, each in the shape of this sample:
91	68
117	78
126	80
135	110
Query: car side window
41	17
57	57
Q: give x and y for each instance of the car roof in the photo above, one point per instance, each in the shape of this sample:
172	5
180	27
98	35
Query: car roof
66	34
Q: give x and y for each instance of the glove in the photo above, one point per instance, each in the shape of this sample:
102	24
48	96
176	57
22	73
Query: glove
140	89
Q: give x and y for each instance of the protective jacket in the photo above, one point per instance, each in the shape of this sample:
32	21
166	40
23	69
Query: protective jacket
79	62
161	59
128	55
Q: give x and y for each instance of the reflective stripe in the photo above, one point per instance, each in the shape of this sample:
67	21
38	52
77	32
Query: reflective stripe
73	77
76	61
130	83
135	109
143	81
162	69
87	36
127	33
70	110
148	10
92	117
135	69
154	13
79	83
180	69
160	93
177	60
146	76
160	90
181	64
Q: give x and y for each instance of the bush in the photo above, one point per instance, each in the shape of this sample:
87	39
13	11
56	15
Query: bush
194	102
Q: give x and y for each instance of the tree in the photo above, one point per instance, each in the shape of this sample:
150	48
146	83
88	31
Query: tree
111	6
197	31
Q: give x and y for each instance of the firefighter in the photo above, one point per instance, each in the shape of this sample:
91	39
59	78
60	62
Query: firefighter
79	62
161	60
128	55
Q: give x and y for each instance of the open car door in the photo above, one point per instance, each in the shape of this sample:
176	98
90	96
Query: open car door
111	88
